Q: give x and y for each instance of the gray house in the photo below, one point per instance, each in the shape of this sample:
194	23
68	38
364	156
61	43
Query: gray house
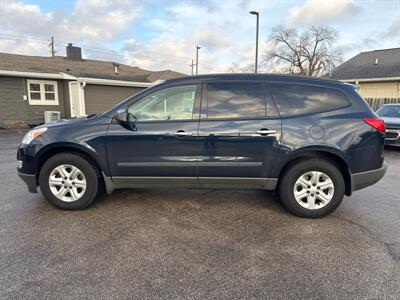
33	86
376	73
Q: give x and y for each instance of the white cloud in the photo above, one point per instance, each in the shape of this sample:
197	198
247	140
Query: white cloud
175	52
162	35
394	30
28	46
19	16
96	24
381	38
223	36
99	20
90	22
318	11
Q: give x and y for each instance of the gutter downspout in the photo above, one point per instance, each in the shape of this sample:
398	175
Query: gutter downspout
358	86
81	97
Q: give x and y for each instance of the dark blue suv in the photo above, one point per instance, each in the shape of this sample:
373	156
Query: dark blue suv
313	140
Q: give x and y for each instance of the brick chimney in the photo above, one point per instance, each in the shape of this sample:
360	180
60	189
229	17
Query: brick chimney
74	52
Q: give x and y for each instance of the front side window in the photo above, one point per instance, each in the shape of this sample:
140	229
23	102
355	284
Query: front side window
42	92
235	100
296	99
174	103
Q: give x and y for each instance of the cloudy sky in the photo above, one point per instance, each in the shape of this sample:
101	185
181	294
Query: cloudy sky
160	35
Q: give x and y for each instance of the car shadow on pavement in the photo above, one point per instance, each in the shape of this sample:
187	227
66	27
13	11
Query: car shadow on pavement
213	197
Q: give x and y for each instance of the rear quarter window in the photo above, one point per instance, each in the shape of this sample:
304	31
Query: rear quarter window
298	99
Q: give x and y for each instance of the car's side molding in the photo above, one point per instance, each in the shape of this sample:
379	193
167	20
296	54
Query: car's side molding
120	182
192	164
238	182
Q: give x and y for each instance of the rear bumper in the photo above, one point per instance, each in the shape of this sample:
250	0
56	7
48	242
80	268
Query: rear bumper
30	180
364	179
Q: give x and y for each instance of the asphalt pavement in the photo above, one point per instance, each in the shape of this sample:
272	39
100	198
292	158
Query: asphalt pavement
196	244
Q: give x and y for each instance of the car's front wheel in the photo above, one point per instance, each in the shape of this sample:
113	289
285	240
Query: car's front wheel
69	181
312	188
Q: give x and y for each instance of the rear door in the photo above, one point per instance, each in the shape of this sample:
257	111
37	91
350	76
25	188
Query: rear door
239	134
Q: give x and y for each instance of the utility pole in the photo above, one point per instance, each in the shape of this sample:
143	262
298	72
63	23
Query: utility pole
52	48
197	60
257	14
192	66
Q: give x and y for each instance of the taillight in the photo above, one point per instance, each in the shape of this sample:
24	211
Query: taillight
376	123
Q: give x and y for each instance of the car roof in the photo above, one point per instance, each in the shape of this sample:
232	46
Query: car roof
257	77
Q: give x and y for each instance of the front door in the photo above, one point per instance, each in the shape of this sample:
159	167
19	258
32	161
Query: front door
160	144
239	134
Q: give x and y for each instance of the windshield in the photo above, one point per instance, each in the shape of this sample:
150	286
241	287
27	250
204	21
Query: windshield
389	111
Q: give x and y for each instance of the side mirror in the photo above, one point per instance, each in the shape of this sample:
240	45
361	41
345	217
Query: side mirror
121	116
126	119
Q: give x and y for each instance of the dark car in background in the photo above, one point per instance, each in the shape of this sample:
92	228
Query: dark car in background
390	113
313	140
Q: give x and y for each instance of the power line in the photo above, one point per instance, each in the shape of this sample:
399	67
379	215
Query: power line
111	52
61	42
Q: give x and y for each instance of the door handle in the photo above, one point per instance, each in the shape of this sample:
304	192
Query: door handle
265	131
182	133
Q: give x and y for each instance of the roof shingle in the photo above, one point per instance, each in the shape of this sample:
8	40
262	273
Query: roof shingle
363	65
81	68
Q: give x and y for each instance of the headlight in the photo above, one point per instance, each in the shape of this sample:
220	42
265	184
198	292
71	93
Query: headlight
33	134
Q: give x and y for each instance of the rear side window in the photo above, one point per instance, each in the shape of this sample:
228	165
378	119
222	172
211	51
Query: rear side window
293	99
235	100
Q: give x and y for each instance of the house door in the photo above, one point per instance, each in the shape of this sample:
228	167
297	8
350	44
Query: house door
74	99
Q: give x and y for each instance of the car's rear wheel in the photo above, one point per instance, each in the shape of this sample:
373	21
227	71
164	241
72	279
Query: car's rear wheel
312	188
69	181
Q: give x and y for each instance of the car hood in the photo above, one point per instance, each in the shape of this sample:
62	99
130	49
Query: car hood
391	122
65	122
74	121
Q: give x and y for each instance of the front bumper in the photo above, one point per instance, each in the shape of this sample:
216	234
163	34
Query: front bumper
364	179
30	180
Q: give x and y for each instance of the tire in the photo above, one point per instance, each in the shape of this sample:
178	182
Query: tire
321	174
83	186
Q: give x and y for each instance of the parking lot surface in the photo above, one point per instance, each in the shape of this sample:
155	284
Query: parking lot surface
171	243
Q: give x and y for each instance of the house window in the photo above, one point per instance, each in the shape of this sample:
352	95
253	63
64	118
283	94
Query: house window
42	92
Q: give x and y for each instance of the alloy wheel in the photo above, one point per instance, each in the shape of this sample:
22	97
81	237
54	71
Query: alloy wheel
313	190
67	183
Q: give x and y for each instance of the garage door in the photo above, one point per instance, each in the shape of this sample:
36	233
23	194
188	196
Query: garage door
99	98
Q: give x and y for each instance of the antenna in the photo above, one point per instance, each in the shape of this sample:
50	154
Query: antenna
51	45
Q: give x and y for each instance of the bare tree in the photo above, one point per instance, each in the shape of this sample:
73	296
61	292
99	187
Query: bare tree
310	53
236	68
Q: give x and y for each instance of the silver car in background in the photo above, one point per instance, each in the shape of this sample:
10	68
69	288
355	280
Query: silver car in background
390	113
